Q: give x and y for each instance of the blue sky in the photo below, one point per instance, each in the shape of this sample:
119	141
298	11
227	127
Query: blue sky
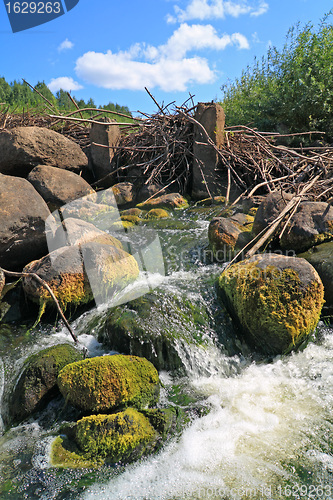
111	49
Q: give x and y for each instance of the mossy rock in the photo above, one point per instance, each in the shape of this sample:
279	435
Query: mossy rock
65	454
172	201
87	210
133	219
166	421
77	232
207	202
276	300
38	380
157	213
160	326
79	274
104	383
133	211
121	226
227	236
123	436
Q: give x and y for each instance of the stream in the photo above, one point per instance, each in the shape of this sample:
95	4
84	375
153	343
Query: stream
261	429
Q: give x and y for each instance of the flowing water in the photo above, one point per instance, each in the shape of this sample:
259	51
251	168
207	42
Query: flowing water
265	429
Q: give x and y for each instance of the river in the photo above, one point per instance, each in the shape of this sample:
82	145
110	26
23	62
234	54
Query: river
266	426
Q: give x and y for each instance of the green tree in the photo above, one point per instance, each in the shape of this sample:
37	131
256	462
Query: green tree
289	89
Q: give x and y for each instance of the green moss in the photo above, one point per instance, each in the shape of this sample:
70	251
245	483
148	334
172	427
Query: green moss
157	213
121	225
107	382
273	305
133	219
133	211
39	377
65	454
216	200
121	436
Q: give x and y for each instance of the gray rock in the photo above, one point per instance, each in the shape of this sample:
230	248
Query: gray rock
23	214
58	187
23	148
321	258
38	379
311	225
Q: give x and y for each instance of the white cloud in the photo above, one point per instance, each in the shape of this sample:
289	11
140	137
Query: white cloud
65	45
167	66
216	9
64	83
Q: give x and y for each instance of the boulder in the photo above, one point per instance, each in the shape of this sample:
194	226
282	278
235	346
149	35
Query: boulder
23	148
275	300
77	232
311	225
99	214
270	207
23	213
106	383
227	236
38	380
321	258
163	327
124	193
107	135
79	274
146	192
58	187
172	201
123	436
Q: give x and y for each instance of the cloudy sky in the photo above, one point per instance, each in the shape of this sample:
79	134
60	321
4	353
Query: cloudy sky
111	49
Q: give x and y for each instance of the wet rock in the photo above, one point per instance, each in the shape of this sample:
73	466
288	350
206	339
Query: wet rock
172	201
38	380
79	274
321	258
159	326
157	213
124	193
22	229
105	383
123	436
23	148
311	225
99	214
227	236
275	300
58	187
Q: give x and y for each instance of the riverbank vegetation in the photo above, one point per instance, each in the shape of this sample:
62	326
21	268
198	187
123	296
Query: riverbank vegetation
290	89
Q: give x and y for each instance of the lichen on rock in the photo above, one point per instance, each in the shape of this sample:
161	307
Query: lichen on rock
123	436
276	300
105	383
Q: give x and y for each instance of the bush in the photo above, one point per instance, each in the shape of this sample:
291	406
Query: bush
289	90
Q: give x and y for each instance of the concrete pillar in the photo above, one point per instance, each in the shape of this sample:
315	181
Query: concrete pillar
108	135
212	117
